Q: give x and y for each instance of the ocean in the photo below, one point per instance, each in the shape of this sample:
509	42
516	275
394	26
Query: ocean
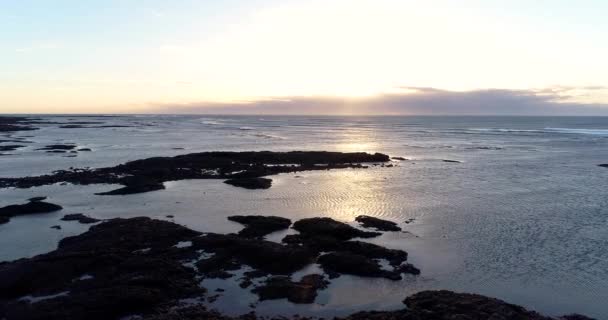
522	215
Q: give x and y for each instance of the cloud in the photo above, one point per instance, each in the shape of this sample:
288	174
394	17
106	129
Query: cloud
414	100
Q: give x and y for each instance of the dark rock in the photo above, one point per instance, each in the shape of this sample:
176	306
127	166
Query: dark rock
72	126
32	207
331	228
84	149
452	161
250	183
355	264
378	224
218	265
57	227
34	199
281	287
264	255
80	218
399	158
369	250
149	174
408	268
604	165
259	226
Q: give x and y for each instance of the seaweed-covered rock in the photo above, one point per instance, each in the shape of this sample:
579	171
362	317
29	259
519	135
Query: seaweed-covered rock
377	223
259	226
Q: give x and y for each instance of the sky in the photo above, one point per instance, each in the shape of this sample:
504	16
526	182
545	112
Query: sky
303	57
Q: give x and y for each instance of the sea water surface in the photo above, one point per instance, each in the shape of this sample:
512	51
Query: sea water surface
523	215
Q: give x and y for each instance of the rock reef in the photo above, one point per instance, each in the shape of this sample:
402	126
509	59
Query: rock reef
140	266
236	167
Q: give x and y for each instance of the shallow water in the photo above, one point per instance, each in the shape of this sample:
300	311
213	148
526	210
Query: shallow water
523	217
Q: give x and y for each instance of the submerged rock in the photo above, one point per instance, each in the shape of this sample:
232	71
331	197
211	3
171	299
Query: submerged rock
250	183
80	218
32	207
259	226
379	224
